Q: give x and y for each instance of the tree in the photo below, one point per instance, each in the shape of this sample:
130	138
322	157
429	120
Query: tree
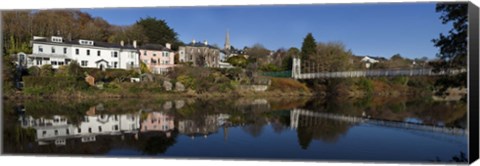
158	31
308	47
332	56
293	51
128	34
257	54
453	46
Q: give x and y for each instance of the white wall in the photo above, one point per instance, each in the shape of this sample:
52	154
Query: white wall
123	59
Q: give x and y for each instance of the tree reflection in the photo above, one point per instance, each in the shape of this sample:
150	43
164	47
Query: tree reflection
156	142
323	129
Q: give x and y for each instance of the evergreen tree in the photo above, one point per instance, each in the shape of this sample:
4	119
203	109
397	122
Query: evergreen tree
308	47
158	31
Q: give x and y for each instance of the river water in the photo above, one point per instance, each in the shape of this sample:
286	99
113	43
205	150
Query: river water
319	129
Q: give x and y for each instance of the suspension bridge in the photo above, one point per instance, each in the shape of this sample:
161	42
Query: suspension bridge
312	71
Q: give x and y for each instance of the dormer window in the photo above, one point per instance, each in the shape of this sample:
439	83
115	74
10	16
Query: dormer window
86	42
57	39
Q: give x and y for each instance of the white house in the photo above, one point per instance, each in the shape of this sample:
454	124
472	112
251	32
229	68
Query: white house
89	54
368	61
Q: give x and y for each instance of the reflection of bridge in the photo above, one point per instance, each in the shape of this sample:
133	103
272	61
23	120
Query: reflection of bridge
296	113
312	72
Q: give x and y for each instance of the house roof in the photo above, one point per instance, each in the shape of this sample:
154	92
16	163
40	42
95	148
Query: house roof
95	43
199	44
154	47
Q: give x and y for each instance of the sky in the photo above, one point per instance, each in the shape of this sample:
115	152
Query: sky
381	29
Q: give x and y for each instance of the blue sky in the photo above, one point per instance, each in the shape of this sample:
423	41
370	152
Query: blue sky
367	29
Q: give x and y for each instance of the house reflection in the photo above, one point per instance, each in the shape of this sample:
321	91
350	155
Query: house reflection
158	121
204	126
58	129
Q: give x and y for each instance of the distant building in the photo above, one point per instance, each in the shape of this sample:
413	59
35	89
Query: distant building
199	54
368	61
159	59
57	52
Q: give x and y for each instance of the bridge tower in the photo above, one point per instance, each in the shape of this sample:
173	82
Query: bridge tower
296	67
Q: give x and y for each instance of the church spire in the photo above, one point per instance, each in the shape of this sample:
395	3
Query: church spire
227	41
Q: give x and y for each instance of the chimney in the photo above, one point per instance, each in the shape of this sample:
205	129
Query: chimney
205	42
121	43
168	45
134	44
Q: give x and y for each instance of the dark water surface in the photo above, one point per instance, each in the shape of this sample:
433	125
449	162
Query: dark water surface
397	130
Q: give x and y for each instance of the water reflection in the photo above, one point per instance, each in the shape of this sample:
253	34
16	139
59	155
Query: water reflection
240	128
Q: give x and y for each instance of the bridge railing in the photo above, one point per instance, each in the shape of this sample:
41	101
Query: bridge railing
377	73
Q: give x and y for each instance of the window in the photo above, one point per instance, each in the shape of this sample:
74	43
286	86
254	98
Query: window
79	130
56	132
53	49
40	49
145	53
39	61
89	130
88	52
115	54
99	128
115	64
77	51
115	127
44	133
154	54
98	52
68	131
54	62
84	63
61	63
65	50
166	62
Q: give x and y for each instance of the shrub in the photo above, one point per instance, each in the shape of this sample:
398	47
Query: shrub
50	84
34	71
286	84
186	80
365	85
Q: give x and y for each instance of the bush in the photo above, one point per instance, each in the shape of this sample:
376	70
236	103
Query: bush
365	85
186	80
43	85
34	71
286	85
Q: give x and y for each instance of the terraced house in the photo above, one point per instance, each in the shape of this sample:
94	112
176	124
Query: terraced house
159	59
57	52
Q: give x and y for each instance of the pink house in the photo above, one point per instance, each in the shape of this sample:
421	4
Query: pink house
158	58
157	121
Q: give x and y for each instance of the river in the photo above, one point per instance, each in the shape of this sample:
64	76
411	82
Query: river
318	129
